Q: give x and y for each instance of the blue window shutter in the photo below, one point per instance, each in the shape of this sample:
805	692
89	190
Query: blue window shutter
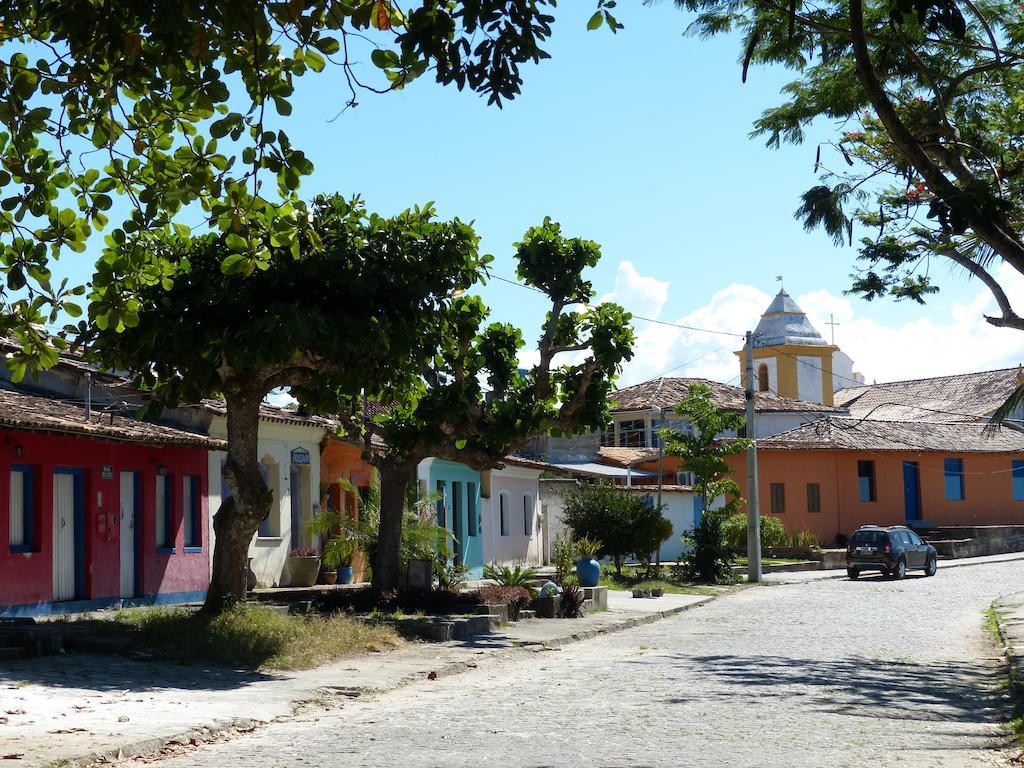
1018	480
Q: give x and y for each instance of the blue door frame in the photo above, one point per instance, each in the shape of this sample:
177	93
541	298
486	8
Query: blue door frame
911	491
79	478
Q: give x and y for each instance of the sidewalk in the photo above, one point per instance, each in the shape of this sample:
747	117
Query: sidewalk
799	577
82	707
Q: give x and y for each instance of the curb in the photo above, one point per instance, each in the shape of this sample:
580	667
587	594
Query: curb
962	563
1012	661
329	698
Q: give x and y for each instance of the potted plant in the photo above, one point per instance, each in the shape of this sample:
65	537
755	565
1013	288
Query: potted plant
337	558
303	566
588	570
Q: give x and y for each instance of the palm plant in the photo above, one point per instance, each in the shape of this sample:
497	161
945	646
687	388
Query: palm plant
421	535
518	575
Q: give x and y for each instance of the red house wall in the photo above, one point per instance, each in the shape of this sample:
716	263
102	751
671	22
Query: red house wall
26	578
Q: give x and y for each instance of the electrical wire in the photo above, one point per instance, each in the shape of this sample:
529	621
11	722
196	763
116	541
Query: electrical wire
636	316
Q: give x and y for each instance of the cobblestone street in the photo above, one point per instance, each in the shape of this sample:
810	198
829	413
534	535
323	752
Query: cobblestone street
831	673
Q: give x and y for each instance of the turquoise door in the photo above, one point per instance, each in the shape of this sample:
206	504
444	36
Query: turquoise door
458	512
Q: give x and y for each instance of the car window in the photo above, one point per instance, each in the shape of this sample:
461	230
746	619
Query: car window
902	537
915	539
869	537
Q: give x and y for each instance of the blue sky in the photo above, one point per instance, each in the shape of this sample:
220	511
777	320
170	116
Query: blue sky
640	142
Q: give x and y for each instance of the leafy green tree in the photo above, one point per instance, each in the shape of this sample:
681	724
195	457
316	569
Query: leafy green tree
625	522
469	401
170	106
360	306
929	96
703	450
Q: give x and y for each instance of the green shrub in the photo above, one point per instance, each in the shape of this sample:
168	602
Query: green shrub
773	532
563	556
710	559
625	522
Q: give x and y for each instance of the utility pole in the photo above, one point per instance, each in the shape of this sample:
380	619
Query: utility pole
661	468
753	508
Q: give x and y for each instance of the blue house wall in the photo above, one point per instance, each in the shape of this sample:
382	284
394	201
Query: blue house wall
459	511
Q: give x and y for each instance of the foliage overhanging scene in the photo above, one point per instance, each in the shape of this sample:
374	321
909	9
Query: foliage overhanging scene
334	329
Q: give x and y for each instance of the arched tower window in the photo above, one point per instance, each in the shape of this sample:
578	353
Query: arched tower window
762	378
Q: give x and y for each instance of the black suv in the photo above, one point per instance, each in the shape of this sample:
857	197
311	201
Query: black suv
893	551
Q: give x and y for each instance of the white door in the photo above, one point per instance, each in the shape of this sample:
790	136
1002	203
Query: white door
128	534
63	536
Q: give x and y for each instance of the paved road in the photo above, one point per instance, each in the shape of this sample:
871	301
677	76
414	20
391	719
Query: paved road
817	674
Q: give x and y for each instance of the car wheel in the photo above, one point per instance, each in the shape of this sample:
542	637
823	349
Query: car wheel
900	570
852	573
931	566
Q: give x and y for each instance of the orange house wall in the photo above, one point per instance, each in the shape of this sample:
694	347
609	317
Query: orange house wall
988	489
343	461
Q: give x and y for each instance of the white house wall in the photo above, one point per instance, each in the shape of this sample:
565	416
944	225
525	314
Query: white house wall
276	442
517	484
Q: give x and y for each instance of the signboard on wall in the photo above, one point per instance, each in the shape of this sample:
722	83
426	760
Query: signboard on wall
300	456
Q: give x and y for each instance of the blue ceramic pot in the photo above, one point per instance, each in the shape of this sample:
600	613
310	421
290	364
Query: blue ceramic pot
345	574
589	573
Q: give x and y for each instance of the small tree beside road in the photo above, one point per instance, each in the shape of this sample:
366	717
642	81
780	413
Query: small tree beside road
703	450
624	521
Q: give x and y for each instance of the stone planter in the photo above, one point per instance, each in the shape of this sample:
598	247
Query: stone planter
657	592
547	606
303	571
418	574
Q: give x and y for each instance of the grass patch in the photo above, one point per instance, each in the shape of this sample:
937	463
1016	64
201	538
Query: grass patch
246	636
1014	683
634	578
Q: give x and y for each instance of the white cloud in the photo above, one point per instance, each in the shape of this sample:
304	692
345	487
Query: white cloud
956	340
636	292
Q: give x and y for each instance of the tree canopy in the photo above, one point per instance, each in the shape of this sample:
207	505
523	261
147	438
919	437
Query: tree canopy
927	167
362	306
470	401
175	106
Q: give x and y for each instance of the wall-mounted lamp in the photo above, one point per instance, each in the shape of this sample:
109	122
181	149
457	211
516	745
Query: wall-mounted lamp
16	447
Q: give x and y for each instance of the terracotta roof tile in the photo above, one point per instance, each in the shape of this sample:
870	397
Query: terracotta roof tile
623	457
667	392
851	434
20	410
944	398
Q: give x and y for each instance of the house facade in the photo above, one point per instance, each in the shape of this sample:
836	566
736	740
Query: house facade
98	508
458	508
343	476
289	452
837	474
513	513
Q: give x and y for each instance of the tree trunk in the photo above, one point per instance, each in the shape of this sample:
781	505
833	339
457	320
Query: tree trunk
387	559
238	517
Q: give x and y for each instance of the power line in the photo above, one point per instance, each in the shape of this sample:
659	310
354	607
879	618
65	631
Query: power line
635	316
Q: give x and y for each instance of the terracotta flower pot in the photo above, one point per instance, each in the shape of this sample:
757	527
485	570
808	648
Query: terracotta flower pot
303	571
